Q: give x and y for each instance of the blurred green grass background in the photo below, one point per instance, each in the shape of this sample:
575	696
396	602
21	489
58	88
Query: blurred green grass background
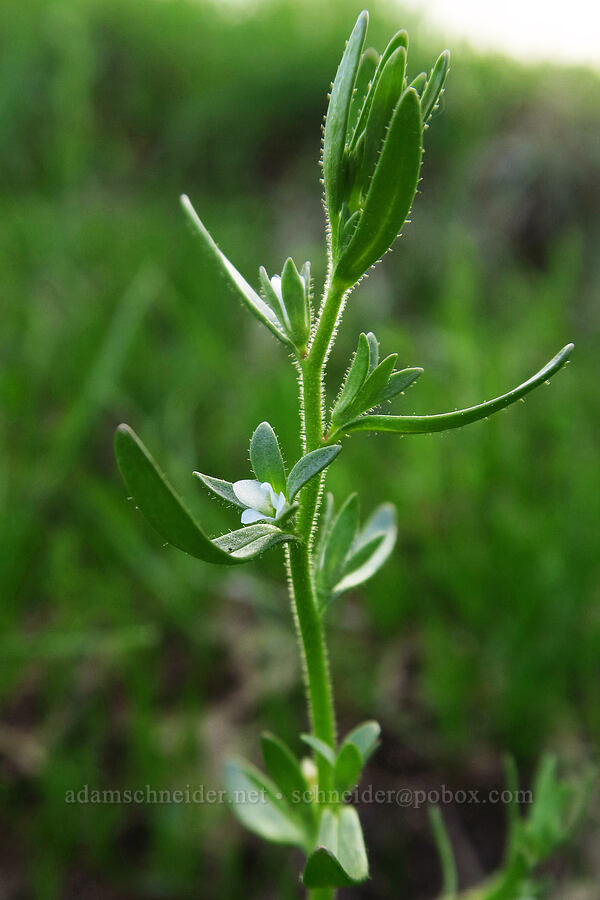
124	664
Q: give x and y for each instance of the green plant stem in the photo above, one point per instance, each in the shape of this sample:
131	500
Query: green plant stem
321	894
307	616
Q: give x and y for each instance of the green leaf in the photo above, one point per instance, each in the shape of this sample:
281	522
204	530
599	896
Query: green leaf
348	766
320	747
373	351
419	83
294	293
215	264
371	550
387	93
265	457
365	738
399	381
391	191
354	380
341	858
271	296
400	39
445	421
370	393
156	499
223	489
325	523
435	85
283	767
338	112
309	466
257	806
366	71
337	548
250	541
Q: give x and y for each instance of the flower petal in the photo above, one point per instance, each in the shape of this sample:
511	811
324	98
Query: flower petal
250	516
252	494
280	505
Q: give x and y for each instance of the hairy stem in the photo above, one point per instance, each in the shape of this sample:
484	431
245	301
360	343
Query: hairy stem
308	619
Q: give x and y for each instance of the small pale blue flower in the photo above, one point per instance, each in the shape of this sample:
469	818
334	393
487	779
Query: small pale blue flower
264	505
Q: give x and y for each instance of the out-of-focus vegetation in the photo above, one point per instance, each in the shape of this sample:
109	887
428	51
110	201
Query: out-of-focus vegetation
123	664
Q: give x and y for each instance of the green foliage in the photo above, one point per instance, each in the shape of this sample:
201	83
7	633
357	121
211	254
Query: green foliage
109	110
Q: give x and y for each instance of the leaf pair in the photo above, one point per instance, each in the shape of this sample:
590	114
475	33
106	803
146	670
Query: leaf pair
289	322
268	466
347	555
460	417
372	149
340	858
165	511
369	382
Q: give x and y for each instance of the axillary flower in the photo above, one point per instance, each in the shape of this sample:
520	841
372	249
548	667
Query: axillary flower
264	504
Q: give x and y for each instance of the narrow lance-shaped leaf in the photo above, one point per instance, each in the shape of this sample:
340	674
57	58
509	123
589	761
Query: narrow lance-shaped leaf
370	393
391	191
341	858
445	421
336	123
399	381
255	803
435	85
223	489
156	499
354	380
400	39
309	466
339	542
366	737
348	766
366	71
373	351
294	293
265	457
225	273
445	852
320	747
372	549
386	96
249	542
283	767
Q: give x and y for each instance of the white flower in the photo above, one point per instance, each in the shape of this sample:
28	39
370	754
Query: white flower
264	505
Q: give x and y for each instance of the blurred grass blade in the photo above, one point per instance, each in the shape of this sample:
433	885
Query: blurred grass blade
265	457
309	466
159	503
391	191
229	278
445	421
444	848
338	113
